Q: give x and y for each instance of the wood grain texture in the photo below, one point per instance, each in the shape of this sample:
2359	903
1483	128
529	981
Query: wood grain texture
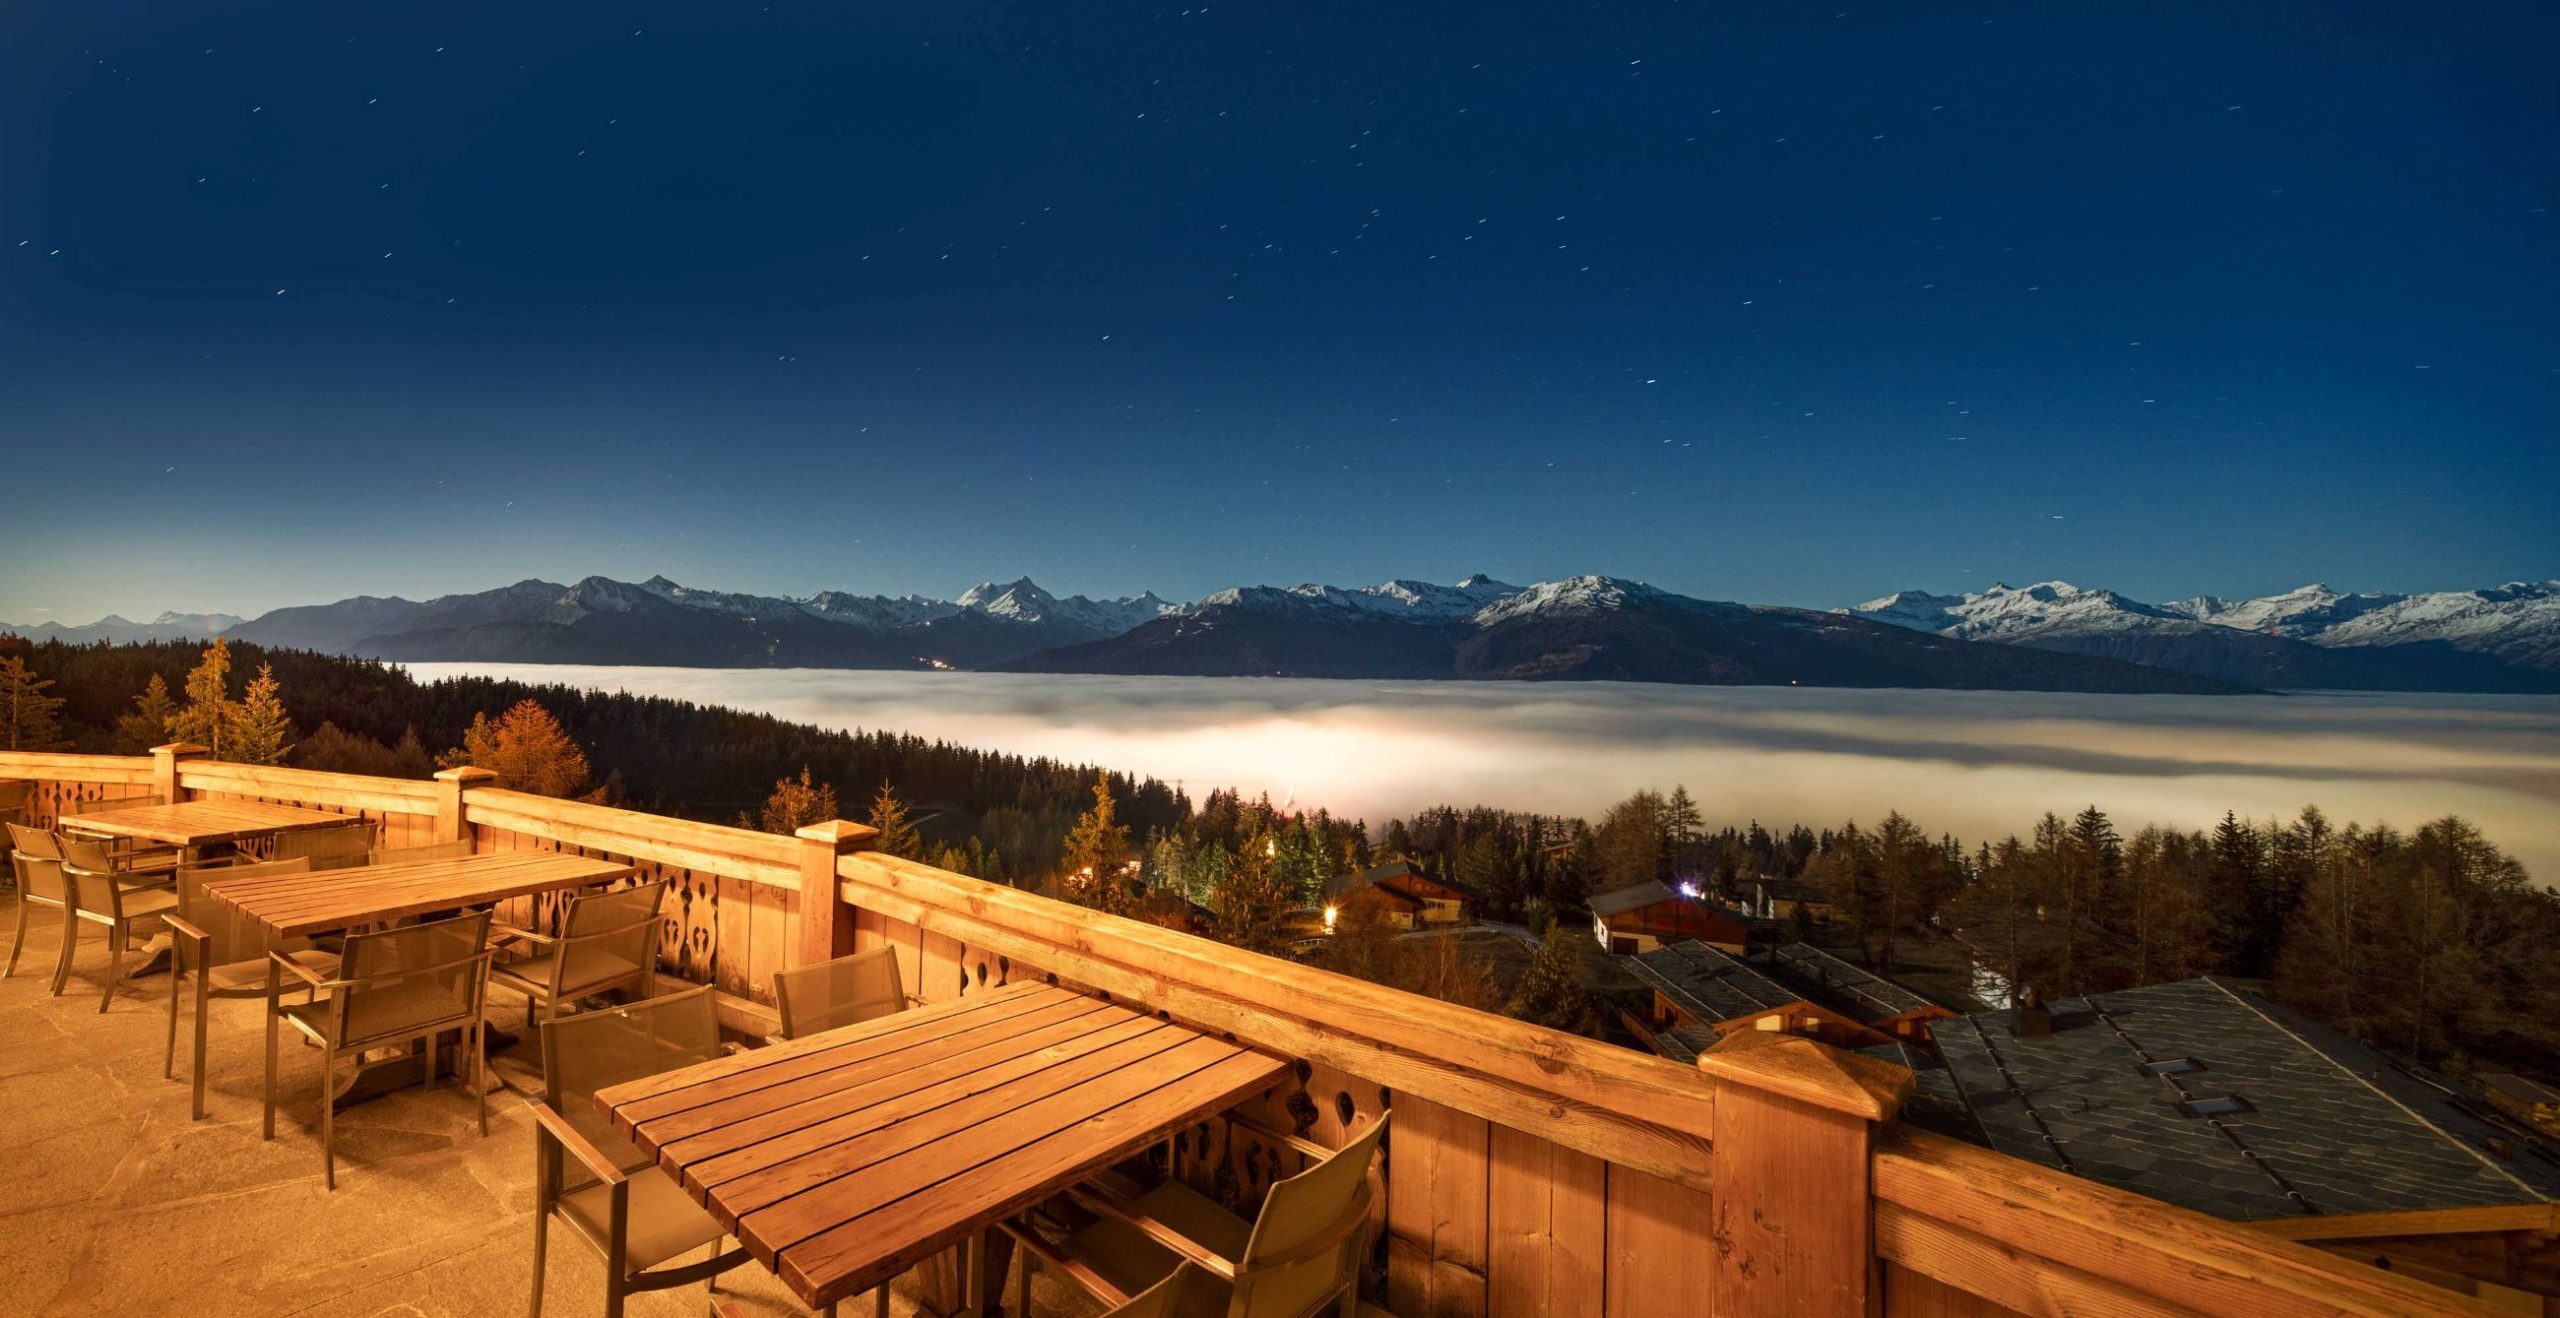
1660	1259
326	901
1790	1215
204	823
1547	1227
1438	1163
847	1157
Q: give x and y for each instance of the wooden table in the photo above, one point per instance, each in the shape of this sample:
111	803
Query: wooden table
843	1159
203	823
326	901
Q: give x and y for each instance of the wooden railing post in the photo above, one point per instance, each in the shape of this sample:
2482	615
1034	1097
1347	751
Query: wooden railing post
1793	1218
164	767
826	923
451	826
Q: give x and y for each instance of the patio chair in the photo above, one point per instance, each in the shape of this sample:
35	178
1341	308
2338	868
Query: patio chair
35	858
846	991
1299	1256
393	987
326	848
1191	1292
223	954
412	855
17	797
608	940
631	1211
102	894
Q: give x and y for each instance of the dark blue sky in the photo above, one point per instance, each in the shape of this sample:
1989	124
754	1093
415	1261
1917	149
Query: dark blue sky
1785	303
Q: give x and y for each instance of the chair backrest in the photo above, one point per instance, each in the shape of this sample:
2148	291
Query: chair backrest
1189	1290
845	991
326	848
92	871
597	1049
401	981
36	857
236	937
411	855
609	936
1307	1241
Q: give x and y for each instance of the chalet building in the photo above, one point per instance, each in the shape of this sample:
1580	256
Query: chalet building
1869	997
1703	993
1775	897
1405	895
1644	916
2212	1098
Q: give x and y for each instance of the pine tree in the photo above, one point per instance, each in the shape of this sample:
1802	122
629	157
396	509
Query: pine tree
1252	902
30	720
261	731
147	724
797	802
210	713
526	747
1550	991
889	815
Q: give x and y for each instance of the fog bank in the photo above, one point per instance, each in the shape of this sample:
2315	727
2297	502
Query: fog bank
1973	763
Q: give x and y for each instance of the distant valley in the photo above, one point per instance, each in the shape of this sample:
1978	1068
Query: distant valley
2047	637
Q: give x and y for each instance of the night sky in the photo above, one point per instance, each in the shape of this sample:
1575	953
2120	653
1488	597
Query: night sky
1782	303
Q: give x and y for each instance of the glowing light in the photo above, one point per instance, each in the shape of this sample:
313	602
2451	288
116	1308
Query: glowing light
1329	913
1690	890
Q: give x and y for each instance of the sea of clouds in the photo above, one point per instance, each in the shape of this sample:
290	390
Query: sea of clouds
1973	763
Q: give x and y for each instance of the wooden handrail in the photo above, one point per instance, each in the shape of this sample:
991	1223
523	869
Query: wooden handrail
766	858
61	767
1646	1112
399	796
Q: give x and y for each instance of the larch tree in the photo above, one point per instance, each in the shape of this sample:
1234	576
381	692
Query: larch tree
1096	849
795	802
1251	906
1551	991
526	747
889	815
210	713
147	724
30	718
261	731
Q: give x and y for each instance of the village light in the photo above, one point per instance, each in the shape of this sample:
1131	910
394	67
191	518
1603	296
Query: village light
1329	913
1689	890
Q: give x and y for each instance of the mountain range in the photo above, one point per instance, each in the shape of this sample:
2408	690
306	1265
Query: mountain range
2047	637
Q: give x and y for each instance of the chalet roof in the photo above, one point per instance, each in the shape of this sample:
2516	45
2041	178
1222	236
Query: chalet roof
1875	996
1685	1043
1707	983
2520	1089
1633	897
2326	1124
1935	1103
1371	877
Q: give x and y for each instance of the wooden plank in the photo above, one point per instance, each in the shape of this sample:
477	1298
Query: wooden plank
1546	1228
1909	1294
2544	1217
938	967
770	916
765	858
1660	1258
1438	1159
203	823
1791	1207
851	1259
343	791
324	901
54	767
2004	1277
729	903
2181	1258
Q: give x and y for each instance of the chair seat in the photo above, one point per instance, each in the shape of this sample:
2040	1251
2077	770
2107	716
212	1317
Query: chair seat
421	1001
250	977
532	975
663	1221
1133	1261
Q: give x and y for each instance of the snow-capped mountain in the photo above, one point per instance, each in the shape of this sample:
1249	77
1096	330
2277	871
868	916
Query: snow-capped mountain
2502	639
1021	600
1404	600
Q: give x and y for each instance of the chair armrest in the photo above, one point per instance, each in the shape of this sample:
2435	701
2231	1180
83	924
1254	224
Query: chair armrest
1108	1202
1084	1273
507	933
306	974
557	1129
197	943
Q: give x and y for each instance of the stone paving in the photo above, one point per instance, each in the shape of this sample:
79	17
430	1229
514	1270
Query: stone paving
113	1202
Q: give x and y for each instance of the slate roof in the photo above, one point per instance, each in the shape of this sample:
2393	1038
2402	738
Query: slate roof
1394	869
1935	1103
2331	1126
1708	984
1875	996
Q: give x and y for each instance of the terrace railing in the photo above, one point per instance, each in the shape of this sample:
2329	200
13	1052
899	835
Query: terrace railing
1529	1171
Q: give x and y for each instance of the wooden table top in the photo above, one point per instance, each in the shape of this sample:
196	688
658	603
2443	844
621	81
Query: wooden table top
845	1158
203	823
325	901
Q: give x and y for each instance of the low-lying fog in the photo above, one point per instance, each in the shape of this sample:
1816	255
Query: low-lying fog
1974	763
